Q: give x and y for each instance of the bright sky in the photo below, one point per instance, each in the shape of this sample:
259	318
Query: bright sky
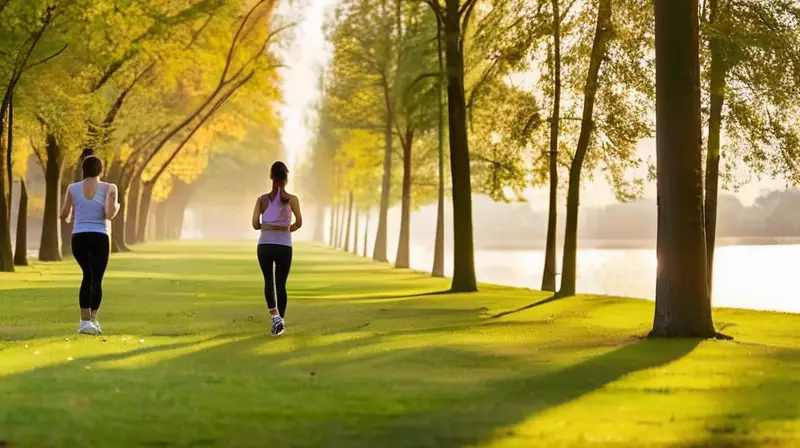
306	58
308	53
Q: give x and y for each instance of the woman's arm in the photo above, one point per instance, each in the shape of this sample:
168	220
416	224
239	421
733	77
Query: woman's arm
256	221
66	209
112	204
298	217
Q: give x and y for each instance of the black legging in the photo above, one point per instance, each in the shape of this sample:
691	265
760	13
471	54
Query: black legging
280	257
91	250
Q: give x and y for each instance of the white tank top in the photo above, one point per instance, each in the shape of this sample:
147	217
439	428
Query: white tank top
90	214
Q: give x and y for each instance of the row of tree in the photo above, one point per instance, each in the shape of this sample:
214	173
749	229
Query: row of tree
152	87
536	91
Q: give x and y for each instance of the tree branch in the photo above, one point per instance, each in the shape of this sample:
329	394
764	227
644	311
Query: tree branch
47	59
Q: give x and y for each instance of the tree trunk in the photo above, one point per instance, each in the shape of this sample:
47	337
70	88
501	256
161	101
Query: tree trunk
342	217
717	86
549	272
355	232
438	247
66	228
144	212
403	245
118	223
10	152
21	248
366	234
6	250
134	203
49	246
332	227
682	290
114	174
463	252
349	222
319	224
380	252
160	213
601	36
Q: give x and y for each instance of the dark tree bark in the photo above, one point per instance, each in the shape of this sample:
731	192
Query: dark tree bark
49	246
134	201
120	243
718	84
402	260
464	251
549	272
10	151
6	250
349	222
21	248
380	252
144	209
113	176
438	247
683	304
601	37
66	228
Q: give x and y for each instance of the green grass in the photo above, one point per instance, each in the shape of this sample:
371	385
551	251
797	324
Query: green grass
370	360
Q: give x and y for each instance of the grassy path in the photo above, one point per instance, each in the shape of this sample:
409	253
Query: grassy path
370	360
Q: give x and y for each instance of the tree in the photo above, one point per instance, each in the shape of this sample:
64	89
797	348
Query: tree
751	79
243	60
455	17
438	249
599	49
23	53
683	303
366	37
416	81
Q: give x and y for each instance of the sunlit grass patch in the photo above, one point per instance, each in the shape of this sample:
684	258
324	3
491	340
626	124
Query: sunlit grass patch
372	356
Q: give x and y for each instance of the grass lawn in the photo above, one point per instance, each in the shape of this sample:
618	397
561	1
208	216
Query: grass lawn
370	360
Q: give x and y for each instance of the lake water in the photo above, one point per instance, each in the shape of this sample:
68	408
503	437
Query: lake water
752	277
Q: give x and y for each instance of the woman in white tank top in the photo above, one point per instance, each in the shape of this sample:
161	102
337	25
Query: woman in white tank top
91	204
273	217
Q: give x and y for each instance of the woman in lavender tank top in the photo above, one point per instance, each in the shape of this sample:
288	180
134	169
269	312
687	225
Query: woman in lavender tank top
273	217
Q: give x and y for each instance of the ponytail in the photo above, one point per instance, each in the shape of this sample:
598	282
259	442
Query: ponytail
285	197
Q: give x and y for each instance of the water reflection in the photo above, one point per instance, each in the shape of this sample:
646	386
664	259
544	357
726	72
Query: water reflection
753	277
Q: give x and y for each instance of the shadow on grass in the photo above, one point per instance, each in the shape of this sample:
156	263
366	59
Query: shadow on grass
527	307
763	409
352	393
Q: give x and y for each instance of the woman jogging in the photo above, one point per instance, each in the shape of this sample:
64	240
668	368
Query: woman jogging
91	204
273	217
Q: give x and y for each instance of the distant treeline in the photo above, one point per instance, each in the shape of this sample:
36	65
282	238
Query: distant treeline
773	214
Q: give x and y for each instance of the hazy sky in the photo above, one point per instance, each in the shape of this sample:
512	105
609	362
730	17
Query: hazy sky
308	53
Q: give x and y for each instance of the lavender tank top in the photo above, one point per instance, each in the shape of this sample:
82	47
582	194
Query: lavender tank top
279	214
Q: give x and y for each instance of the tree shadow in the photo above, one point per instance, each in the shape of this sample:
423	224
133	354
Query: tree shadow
763	409
355	393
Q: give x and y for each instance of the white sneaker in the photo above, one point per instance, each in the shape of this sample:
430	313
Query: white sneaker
88	327
97	325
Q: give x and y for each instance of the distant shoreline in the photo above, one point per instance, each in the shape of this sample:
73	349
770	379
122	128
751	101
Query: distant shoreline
538	244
